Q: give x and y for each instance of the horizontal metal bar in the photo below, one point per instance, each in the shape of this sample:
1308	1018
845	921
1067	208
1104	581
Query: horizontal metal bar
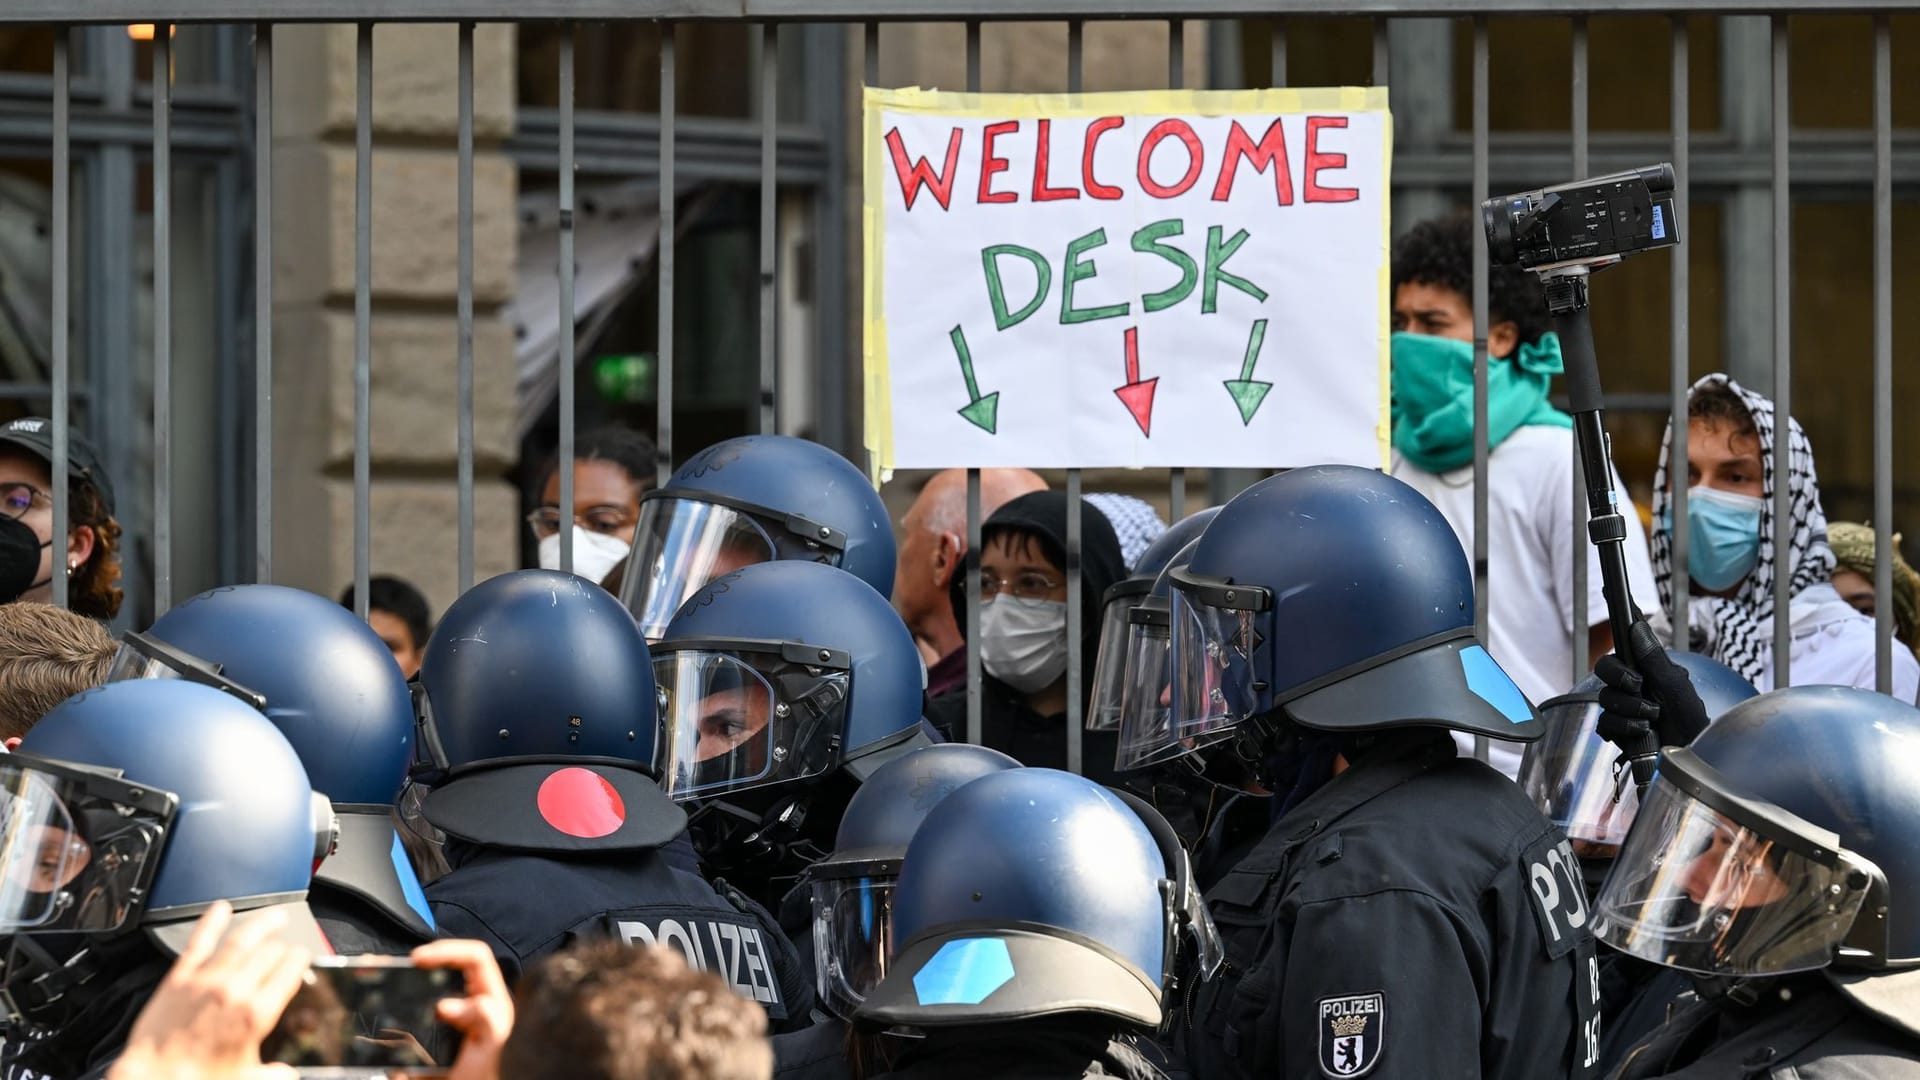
629	145
131	11
1821	160
28	119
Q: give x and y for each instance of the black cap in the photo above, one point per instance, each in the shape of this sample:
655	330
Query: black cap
35	434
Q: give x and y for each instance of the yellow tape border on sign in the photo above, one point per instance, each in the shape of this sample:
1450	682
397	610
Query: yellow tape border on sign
878	436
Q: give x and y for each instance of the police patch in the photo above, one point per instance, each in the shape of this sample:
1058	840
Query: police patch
1352	1033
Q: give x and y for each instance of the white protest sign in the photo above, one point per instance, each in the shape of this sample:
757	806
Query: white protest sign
1167	278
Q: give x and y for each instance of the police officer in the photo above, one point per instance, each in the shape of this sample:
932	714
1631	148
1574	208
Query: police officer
754	499
1038	924
126	811
1408	913
330	685
541	707
1579	781
850	894
785	685
1775	860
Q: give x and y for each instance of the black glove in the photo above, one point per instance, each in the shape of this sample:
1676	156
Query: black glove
1655	696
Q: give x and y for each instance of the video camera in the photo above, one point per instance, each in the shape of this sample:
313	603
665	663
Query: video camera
1586	222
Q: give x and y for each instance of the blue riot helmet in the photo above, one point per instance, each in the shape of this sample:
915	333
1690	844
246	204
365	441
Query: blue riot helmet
1337	599
1578	779
326	680
1782	839
757	498
541	718
1110	665
851	890
1034	892
132	807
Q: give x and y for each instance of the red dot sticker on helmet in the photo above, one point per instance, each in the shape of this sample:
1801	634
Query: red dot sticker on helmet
580	802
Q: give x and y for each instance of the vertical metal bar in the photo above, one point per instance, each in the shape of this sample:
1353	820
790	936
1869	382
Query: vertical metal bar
162	319
62	407
975	675
870	48
1076	627
1782	357
463	306
1382	54
1277	51
263	302
1883	553
1176	476
363	318
1480	448
1681	384
1582	550
769	115
664	370
565	459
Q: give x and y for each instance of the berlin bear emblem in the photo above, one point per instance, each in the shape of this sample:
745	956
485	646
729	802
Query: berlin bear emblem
1352	1033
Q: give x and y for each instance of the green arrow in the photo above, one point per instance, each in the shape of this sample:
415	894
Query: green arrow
981	412
1248	394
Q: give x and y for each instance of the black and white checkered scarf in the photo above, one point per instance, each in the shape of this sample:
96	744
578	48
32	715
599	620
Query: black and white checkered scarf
1737	630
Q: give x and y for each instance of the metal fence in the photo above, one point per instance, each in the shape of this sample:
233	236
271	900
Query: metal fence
1538	159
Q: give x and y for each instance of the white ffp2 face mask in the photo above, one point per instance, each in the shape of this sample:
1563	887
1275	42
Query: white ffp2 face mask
594	554
1023	643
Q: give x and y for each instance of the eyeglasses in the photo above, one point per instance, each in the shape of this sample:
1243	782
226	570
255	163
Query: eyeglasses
18	497
1026	586
605	520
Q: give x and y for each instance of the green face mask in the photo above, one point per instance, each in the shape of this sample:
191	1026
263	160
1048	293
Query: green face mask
1433	397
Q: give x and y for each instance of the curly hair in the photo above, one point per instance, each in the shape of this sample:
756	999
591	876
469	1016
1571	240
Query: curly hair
1440	253
94	588
47	655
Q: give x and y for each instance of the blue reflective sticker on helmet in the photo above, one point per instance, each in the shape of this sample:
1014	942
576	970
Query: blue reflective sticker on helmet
1491	685
410	883
964	972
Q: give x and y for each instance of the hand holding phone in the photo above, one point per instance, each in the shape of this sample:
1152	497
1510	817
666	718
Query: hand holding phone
484	1018
368	1016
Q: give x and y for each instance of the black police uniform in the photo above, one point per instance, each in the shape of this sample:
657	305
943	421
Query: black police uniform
1801	1028
87	1045
1636	997
1052	1049
815	1053
1009	726
527	905
1414	917
365	896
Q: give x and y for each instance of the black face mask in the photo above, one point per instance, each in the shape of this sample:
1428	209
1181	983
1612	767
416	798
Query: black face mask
19	559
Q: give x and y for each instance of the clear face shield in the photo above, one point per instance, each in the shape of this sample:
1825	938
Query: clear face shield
78	849
681	544
852	930
1213	649
1578	780
739	715
1709	884
1110	663
144	657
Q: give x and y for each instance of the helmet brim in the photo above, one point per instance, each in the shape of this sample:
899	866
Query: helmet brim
1891	996
938	980
581	805
1453	684
299	929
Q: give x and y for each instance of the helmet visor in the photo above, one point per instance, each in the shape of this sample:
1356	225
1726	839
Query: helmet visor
77	849
1577	780
1110	665
1212	667
852	938
737	719
680	545
143	657
1696	889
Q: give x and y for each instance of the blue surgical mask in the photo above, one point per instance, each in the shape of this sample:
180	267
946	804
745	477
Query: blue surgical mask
1723	543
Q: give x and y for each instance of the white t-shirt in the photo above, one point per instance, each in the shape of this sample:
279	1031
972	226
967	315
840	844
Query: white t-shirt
1531	545
1833	645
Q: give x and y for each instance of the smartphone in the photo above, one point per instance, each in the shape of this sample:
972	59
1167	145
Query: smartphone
367	1016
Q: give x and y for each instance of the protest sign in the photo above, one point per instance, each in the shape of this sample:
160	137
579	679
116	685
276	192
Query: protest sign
1166	278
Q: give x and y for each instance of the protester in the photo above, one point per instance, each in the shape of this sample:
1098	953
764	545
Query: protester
1731	562
1134	521
604	1011
398	612
1023	633
612	468
932	557
1853	569
92	559
47	655
1531	538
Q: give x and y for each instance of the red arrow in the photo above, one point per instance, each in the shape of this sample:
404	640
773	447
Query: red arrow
1137	395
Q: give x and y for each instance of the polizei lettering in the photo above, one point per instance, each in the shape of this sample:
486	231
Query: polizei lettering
736	953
